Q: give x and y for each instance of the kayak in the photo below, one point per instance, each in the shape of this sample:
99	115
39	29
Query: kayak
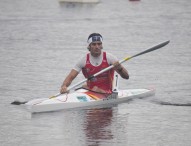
83	98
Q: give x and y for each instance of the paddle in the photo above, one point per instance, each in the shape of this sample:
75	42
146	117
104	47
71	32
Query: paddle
106	69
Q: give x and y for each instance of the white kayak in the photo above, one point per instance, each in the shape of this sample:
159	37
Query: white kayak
85	99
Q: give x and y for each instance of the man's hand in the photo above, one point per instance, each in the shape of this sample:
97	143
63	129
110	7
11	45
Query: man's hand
117	66
63	89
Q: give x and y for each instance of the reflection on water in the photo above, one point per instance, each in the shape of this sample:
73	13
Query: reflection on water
97	121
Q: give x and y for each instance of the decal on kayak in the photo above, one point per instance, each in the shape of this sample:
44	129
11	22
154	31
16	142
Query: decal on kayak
82	98
114	95
96	95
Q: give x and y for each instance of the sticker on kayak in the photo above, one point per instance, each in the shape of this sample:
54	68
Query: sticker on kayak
82	98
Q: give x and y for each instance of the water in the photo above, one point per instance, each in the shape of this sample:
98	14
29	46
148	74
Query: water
40	42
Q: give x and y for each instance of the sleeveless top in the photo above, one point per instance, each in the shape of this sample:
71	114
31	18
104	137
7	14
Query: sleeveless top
102	81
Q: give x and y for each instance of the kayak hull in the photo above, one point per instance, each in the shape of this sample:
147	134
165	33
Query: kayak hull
81	100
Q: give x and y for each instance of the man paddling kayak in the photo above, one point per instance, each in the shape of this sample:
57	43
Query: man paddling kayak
94	62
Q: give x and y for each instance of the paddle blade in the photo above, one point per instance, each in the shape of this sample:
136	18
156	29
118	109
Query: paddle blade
152	49
18	102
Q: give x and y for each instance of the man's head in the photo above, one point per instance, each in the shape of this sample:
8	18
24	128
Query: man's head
94	37
95	44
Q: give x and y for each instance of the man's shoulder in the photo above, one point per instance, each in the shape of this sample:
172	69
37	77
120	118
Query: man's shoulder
111	58
110	55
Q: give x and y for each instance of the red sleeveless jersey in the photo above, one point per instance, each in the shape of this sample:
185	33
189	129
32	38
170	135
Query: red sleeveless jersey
102	81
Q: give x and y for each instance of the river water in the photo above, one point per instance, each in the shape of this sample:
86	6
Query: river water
40	42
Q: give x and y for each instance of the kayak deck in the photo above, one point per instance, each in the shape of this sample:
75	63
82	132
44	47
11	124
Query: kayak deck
80	99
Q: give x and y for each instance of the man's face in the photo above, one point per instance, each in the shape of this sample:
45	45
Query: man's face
95	48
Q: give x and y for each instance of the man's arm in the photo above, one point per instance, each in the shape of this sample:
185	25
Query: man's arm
71	76
121	70
117	67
